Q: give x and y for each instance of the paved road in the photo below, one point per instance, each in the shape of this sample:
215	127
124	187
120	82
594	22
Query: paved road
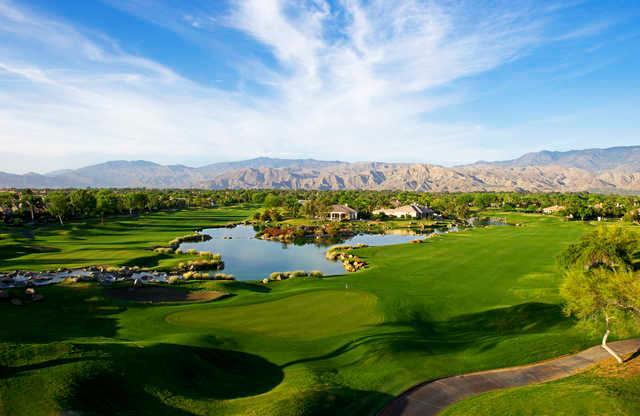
433	396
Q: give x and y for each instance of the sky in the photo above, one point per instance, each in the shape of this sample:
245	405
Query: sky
201	81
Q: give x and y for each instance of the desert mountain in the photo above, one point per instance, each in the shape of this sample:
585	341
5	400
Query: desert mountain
607	170
625	158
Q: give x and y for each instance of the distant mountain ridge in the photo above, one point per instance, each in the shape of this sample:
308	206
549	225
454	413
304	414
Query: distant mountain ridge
592	160
605	170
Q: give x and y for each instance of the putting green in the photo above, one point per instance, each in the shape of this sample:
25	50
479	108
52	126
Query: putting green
306	316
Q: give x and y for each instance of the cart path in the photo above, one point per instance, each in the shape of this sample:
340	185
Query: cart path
431	397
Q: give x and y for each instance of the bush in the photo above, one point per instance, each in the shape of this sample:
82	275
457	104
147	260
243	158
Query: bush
163	250
315	273
224	276
276	276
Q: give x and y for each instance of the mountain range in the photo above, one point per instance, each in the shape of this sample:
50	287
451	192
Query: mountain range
615	169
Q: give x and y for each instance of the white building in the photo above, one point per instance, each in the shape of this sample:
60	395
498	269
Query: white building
406	211
342	212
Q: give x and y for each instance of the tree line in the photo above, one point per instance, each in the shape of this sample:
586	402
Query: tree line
32	206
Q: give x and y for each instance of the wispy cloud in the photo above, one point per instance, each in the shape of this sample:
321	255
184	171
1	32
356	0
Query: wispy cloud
352	81
586	31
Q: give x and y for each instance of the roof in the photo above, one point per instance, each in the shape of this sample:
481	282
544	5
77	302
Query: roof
406	209
342	208
553	208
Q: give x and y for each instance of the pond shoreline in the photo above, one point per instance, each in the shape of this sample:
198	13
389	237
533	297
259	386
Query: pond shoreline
108	275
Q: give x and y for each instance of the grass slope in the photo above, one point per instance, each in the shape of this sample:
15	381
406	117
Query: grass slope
480	299
595	392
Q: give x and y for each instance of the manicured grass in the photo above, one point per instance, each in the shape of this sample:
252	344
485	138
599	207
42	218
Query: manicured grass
475	300
308	316
590	393
119	241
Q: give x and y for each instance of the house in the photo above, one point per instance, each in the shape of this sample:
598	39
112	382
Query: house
553	209
406	211
342	212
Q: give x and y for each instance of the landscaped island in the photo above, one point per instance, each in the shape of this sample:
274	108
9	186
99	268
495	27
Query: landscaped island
484	298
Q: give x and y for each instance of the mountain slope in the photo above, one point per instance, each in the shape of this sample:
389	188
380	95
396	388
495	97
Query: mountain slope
609	170
423	177
626	159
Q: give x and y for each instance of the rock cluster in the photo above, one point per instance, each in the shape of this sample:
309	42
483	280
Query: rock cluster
350	262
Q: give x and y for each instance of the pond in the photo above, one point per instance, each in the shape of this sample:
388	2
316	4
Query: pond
250	258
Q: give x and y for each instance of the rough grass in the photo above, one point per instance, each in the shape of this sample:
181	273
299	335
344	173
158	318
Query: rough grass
477	300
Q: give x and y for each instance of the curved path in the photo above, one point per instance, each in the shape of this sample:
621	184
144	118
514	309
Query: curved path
433	396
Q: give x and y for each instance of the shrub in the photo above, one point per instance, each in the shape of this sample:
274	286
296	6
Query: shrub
316	273
276	276
163	250
224	276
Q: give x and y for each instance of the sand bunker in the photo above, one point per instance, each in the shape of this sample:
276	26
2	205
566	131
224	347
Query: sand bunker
164	294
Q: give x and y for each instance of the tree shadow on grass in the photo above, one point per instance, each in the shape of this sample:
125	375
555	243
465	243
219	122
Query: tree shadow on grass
12	371
335	400
250	286
109	393
151	260
414	331
65	313
131	379
11	251
481	330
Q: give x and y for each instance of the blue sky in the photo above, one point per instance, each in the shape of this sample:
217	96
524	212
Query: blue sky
194	82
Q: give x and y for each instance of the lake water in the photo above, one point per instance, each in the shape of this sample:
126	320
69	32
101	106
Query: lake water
250	258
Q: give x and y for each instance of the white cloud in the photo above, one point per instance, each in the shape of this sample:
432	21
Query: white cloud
352	84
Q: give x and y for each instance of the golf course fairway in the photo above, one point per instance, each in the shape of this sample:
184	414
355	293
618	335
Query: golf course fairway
479	299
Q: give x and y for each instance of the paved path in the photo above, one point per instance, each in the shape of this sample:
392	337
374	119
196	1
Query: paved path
433	396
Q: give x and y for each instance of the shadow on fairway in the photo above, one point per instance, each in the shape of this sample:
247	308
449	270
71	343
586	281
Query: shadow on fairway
250	286
336	400
481	329
181	370
65	313
108	393
11	251
414	331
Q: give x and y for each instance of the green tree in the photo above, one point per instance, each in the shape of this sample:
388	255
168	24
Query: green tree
272	201
135	201
106	203
314	209
29	201
82	202
601	298
600	288
610	247
58	205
